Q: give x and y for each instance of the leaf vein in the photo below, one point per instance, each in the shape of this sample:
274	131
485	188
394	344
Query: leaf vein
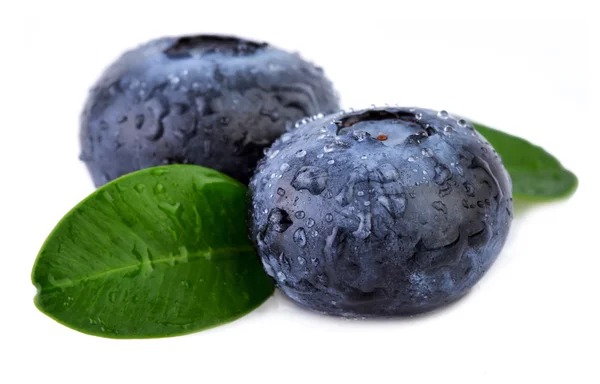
193	256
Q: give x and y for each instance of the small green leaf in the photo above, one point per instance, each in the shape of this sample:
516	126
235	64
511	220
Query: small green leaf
536	174
159	252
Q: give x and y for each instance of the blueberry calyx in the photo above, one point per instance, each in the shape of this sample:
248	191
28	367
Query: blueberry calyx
400	125
200	45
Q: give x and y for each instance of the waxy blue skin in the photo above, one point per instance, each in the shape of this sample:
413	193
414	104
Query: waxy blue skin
380	212
214	101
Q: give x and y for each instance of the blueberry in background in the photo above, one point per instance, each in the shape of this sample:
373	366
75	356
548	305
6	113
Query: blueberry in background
215	101
380	212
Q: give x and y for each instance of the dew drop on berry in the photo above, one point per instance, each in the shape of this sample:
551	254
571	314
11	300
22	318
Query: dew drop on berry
300	238
301	153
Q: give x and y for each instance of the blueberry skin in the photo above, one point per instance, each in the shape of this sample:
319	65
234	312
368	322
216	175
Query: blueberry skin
380	212
215	101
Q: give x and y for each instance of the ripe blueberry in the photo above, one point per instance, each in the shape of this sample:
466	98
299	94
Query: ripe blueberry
380	212
214	101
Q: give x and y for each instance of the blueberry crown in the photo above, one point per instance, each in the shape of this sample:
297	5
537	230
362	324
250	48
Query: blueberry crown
200	45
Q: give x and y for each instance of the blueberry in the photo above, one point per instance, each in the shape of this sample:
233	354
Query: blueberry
214	101
380	212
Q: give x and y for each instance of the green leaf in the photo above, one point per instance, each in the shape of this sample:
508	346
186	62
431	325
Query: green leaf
536	174
159	252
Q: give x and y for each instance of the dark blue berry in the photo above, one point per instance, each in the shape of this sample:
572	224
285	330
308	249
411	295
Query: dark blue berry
387	211
214	101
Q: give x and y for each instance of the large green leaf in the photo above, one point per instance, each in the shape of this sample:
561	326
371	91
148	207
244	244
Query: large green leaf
536	174
159	252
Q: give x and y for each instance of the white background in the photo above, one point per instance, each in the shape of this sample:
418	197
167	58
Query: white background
524	68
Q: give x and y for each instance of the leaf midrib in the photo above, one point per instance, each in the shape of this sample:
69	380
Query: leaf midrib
191	257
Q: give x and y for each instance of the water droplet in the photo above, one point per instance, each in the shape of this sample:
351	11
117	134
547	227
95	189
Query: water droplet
279	220
367	203
158	171
411	159
300	215
301	153
281	276
442	173
448	130
323	279
424	172
364	157
313	179
300	237
328	148
320	156
426	152
418	115
360	193
259	241
274	154
169	208
284	167
329	217
159	188
462	122
469	189
281	191
139	188
364	227
310	223
445	190
314	233
439	206
267	267
359	135
331	162
265	211
301	260
442	114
